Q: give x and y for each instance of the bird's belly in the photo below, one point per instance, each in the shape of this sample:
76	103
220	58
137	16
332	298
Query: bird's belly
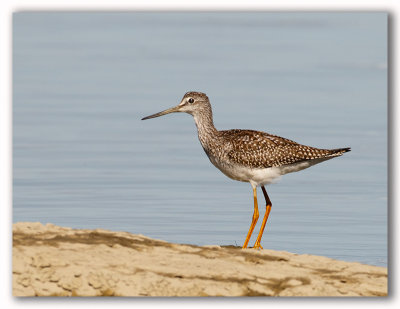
256	176
261	176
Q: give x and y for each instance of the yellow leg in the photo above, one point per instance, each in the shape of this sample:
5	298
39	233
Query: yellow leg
267	211
254	220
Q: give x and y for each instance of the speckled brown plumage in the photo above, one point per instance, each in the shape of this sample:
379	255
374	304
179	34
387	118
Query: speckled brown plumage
249	148
261	150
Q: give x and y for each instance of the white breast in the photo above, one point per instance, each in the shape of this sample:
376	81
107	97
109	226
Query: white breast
261	176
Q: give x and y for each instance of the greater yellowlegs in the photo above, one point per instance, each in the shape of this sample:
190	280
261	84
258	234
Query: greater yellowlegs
246	155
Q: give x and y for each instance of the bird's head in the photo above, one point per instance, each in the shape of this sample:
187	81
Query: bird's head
192	103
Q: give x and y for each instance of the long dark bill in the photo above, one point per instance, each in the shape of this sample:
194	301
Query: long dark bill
167	111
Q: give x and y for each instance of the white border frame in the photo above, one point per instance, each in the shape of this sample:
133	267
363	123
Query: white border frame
6	10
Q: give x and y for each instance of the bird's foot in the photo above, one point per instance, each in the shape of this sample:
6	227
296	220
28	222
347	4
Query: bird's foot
257	245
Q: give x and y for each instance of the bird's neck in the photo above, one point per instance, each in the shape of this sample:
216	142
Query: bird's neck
205	126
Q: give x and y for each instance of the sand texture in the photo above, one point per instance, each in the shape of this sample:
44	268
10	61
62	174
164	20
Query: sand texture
49	260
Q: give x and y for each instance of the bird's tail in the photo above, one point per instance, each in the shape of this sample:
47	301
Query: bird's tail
339	151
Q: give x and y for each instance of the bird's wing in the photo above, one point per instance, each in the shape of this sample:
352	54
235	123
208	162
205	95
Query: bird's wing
261	150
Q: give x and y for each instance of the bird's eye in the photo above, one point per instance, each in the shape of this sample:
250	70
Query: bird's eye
191	100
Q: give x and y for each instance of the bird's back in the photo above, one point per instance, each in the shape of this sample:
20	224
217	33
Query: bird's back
255	149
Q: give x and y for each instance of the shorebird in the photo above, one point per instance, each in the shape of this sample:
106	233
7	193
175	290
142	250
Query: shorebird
247	155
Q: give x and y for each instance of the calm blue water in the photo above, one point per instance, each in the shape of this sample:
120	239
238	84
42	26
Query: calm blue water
83	158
